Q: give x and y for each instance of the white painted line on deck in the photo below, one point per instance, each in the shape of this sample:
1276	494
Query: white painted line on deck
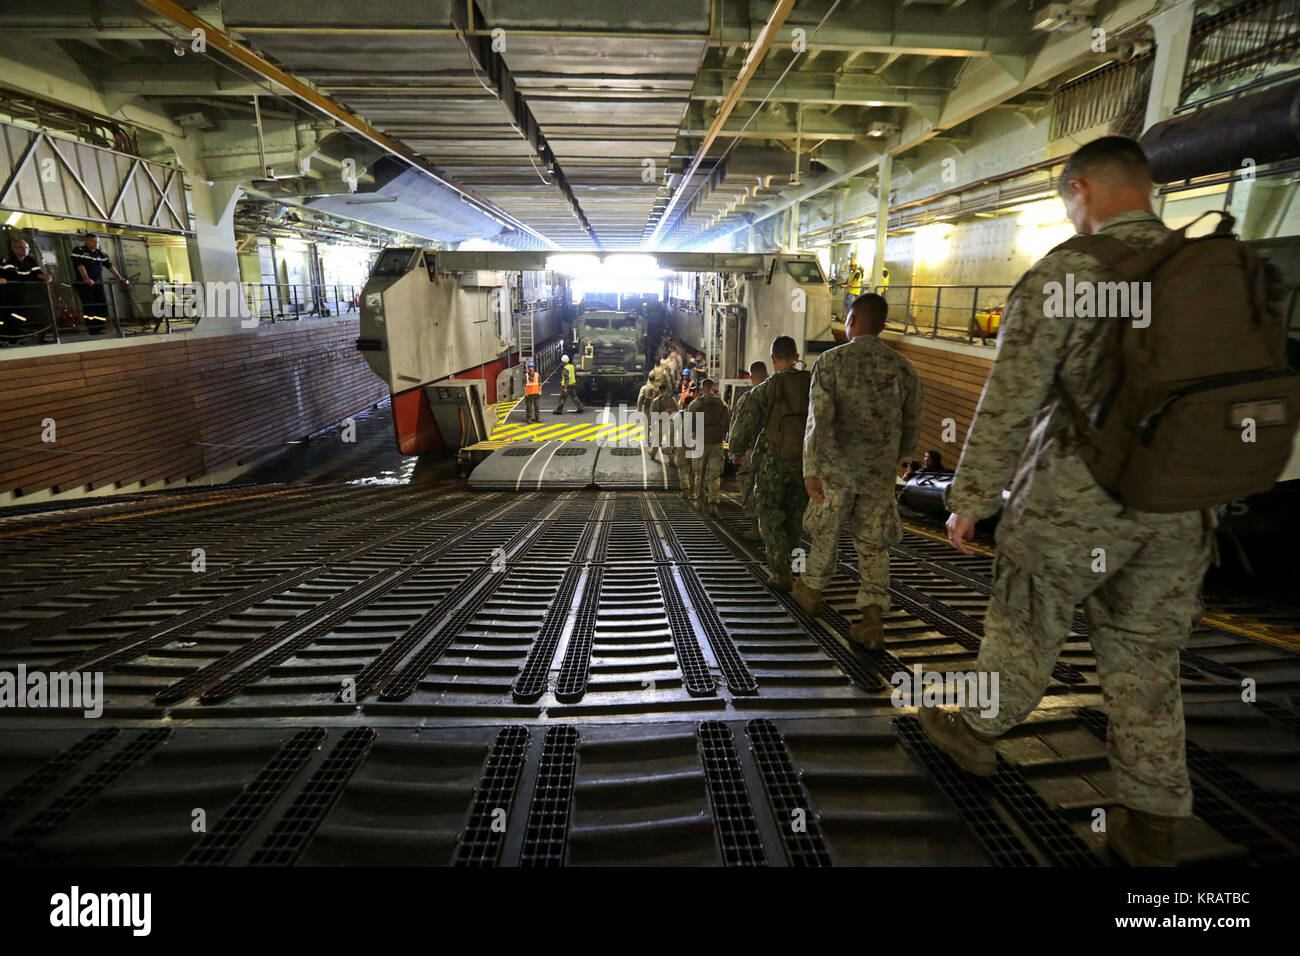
547	463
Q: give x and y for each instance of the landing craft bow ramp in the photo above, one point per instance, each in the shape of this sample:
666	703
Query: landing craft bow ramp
560	465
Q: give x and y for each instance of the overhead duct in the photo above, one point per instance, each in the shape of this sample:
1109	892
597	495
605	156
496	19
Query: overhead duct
1261	128
405	200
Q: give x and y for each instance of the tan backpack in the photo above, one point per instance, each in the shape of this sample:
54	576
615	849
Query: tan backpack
1200	407
783	431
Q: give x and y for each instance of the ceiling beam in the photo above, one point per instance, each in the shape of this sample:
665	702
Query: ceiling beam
757	52
867	91
221	41
989	86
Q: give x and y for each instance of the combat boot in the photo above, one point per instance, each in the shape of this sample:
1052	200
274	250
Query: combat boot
870	631
751	534
1143	839
948	731
781	581
711	509
809	600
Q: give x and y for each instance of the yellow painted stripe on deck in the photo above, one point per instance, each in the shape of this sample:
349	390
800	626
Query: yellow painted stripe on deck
504	409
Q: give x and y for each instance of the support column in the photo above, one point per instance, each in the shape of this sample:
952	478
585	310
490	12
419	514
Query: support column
794	226
214	261
882	219
1173	32
214	258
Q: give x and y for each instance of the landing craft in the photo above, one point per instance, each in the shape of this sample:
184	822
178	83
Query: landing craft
449	331
446	332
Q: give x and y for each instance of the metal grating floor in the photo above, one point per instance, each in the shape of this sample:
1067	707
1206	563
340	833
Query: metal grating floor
349	675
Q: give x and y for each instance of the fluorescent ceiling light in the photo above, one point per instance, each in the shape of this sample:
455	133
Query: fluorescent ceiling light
633	263
573	264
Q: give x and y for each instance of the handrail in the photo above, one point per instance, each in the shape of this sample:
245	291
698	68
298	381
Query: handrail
171	306
970	314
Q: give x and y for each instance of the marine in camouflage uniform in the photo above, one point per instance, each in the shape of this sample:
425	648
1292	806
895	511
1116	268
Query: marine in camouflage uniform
667	439
779	496
864	414
710	417
747	462
645	400
1140	592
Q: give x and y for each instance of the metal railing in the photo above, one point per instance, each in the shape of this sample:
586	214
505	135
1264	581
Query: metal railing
1241	43
39	313
955	313
290	302
1115	91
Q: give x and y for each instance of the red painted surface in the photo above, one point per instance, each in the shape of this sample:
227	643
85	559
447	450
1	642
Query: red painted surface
413	422
417	432
490	371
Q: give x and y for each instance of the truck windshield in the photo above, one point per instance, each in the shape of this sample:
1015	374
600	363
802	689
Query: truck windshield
804	272
393	262
625	323
596	323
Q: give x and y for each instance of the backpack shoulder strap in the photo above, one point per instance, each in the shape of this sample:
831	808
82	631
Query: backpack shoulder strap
1108	250
1130	263
776	400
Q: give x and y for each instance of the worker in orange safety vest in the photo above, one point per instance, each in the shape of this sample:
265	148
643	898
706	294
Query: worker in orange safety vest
532	394
690	388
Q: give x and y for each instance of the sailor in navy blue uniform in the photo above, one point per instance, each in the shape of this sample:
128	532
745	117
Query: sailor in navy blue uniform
89	262
23	305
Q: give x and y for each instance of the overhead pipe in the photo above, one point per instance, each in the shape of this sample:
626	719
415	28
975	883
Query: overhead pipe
1260	128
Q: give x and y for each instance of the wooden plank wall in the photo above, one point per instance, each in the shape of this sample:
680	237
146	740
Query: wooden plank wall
953	382
175	409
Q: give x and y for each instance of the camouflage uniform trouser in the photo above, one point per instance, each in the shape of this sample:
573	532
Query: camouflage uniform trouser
747	479
567	392
874	523
706	475
532	408
778	500
684	469
1140	606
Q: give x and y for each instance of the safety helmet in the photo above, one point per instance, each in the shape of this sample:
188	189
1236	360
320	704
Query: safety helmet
686	371
564	358
531	365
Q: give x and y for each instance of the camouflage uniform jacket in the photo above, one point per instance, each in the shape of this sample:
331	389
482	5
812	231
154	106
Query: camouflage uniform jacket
737	416
864	414
645	398
1019	417
665	404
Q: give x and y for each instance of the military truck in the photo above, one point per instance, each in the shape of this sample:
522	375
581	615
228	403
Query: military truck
611	355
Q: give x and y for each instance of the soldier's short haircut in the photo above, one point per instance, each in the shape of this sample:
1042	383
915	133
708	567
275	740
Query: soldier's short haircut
1116	158
784	348
756	367
873	308
707	384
